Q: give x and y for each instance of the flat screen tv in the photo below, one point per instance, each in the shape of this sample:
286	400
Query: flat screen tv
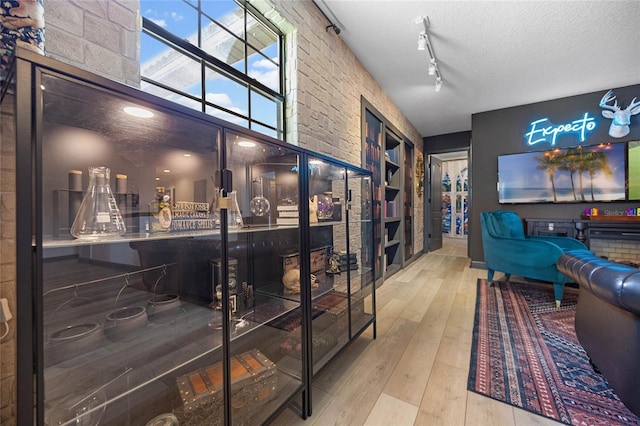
568	175
633	171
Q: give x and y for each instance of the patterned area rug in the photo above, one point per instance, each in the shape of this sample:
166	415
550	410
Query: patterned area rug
525	352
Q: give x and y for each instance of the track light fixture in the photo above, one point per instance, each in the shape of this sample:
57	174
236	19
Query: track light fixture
422	41
432	67
425	44
335	28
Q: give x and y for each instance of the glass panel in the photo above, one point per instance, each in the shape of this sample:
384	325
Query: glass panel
130	323
227	13
221	44
265	130
264	274
171	96
264	70
227	93
170	67
175	16
330	326
264	109
259	36
360	251
216	112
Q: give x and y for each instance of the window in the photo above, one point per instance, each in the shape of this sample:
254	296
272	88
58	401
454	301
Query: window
217	57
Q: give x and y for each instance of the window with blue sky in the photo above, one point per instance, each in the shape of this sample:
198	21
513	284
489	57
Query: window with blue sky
215	56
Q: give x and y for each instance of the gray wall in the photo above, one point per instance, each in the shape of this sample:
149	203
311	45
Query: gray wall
450	142
502	132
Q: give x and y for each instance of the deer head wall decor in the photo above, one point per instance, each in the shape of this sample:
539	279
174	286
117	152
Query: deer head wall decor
620	118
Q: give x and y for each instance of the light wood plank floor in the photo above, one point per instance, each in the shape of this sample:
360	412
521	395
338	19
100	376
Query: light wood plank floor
415	372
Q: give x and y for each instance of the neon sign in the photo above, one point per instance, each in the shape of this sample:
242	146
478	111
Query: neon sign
544	131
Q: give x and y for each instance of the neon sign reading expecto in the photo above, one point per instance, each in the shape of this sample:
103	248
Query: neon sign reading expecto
543	131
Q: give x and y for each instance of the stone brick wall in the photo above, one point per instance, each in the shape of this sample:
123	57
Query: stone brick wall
101	36
8	261
617	250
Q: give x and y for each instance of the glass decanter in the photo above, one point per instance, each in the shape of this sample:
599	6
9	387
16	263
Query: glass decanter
98	216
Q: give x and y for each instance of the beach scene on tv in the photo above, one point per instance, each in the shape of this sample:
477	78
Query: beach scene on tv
569	175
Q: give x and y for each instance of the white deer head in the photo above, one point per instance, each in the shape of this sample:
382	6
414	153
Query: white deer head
620	118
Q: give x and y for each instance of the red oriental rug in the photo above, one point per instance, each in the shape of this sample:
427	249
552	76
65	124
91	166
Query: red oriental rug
525	353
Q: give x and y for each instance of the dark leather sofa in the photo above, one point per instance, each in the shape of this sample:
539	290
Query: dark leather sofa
608	320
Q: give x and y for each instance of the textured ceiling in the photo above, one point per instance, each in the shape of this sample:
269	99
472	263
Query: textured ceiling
492	54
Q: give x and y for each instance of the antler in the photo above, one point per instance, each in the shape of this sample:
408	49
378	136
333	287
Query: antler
608	97
633	105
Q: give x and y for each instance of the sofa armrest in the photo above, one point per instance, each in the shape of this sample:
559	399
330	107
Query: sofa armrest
565	243
613	282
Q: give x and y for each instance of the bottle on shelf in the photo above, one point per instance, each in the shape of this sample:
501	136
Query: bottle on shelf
160	210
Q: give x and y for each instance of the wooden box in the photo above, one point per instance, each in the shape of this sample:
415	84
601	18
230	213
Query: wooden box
253	383
318	261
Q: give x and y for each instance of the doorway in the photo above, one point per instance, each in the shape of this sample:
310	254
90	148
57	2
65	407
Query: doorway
449	202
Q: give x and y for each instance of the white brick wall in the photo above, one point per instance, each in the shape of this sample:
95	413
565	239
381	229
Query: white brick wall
617	250
101	36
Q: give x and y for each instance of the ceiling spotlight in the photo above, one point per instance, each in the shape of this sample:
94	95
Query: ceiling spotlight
422	41
438	84
138	112
432	67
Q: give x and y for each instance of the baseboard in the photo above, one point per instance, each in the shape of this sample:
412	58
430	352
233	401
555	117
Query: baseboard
478	265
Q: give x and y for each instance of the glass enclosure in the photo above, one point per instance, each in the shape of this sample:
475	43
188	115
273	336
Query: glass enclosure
177	268
133	320
341	256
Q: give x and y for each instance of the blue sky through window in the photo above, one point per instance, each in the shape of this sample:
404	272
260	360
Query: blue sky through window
181	18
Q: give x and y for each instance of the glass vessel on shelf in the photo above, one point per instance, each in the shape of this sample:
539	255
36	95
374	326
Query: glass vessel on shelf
325	206
259	205
98	216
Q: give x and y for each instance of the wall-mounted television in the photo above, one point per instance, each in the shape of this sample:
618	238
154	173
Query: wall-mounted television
633	171
567	175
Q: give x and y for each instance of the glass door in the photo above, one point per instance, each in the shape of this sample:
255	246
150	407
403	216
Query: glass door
262	270
126	241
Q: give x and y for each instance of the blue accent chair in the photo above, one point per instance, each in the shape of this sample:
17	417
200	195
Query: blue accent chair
509	250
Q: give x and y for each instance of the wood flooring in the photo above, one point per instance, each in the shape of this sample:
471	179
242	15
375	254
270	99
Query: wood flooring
415	371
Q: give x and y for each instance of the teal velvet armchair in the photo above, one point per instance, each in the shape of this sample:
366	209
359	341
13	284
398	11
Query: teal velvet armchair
507	249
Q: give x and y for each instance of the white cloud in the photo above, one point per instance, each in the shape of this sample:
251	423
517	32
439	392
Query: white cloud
176	16
160	22
265	64
266	72
221	99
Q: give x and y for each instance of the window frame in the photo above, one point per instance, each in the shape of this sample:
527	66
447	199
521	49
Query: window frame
206	60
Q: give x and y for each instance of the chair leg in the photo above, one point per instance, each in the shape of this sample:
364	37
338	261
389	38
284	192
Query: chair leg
558	290
490	273
507	277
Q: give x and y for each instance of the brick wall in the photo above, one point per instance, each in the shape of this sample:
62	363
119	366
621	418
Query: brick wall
101	36
618	250
8	260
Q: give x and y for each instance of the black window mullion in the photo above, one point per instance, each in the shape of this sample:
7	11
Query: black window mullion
209	61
